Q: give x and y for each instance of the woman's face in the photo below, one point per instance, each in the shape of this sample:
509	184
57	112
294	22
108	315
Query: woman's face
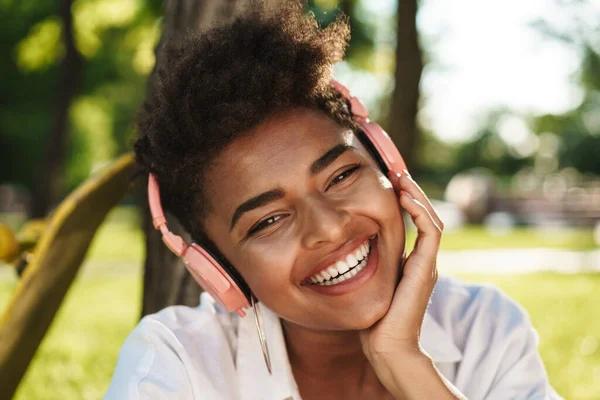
292	198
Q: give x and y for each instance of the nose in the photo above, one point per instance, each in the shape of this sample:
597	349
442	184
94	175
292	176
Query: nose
324	222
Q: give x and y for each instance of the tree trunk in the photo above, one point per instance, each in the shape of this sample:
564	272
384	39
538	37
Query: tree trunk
403	110
166	281
47	186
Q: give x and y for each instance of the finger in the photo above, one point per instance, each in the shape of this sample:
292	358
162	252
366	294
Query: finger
419	274
406	183
420	269
411	186
423	257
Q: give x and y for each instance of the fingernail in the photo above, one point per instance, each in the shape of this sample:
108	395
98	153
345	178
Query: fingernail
394	176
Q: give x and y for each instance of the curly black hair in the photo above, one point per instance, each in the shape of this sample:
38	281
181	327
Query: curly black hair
217	85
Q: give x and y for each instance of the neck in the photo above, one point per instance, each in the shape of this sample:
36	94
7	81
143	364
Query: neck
331	358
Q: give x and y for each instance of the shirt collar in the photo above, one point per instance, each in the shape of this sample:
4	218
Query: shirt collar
255	381
437	342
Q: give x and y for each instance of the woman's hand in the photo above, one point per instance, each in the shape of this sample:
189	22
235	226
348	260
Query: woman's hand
398	331
392	344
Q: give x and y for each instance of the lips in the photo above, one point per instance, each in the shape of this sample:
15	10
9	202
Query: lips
368	270
341	261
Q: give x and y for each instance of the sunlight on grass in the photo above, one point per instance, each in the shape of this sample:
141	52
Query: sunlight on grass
77	357
478	238
119	238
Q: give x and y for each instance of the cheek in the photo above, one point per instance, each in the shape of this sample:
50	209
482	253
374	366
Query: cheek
266	268
380	203
376	196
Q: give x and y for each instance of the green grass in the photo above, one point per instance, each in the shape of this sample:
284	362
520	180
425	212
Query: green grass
120	238
79	353
478	238
77	358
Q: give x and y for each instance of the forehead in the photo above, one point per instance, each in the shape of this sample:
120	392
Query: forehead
275	153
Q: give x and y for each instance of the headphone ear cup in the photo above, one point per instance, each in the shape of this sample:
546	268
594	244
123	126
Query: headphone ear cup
206	270
384	146
213	278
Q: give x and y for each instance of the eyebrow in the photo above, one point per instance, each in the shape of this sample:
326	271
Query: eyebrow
329	157
275	194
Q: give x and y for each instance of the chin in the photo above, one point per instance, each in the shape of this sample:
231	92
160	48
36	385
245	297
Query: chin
368	314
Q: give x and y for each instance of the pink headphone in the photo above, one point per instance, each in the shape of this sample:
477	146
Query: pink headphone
213	273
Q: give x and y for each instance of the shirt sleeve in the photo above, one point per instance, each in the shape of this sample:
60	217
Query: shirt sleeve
500	357
149	367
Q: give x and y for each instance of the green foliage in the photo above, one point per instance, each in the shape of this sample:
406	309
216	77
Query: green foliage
440	161
116	38
25	95
579	129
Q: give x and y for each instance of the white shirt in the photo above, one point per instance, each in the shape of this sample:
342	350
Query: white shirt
480	340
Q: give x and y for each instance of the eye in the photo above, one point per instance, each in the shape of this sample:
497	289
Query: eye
344	175
265	223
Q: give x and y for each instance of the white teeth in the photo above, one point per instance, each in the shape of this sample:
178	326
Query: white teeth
332	271
358	254
350	260
343	267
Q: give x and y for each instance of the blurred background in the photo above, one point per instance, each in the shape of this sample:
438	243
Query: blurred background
495	105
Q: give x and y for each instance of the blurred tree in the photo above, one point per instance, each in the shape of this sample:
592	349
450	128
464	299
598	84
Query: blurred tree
401	124
27	85
578	129
116	39
47	184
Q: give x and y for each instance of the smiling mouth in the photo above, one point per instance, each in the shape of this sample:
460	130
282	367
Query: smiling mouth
344	269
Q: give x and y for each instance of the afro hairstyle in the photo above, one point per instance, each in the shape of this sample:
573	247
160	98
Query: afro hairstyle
217	85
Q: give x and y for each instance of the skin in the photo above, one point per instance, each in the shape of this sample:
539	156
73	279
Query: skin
343	346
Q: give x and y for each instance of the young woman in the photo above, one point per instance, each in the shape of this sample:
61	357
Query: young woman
260	157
